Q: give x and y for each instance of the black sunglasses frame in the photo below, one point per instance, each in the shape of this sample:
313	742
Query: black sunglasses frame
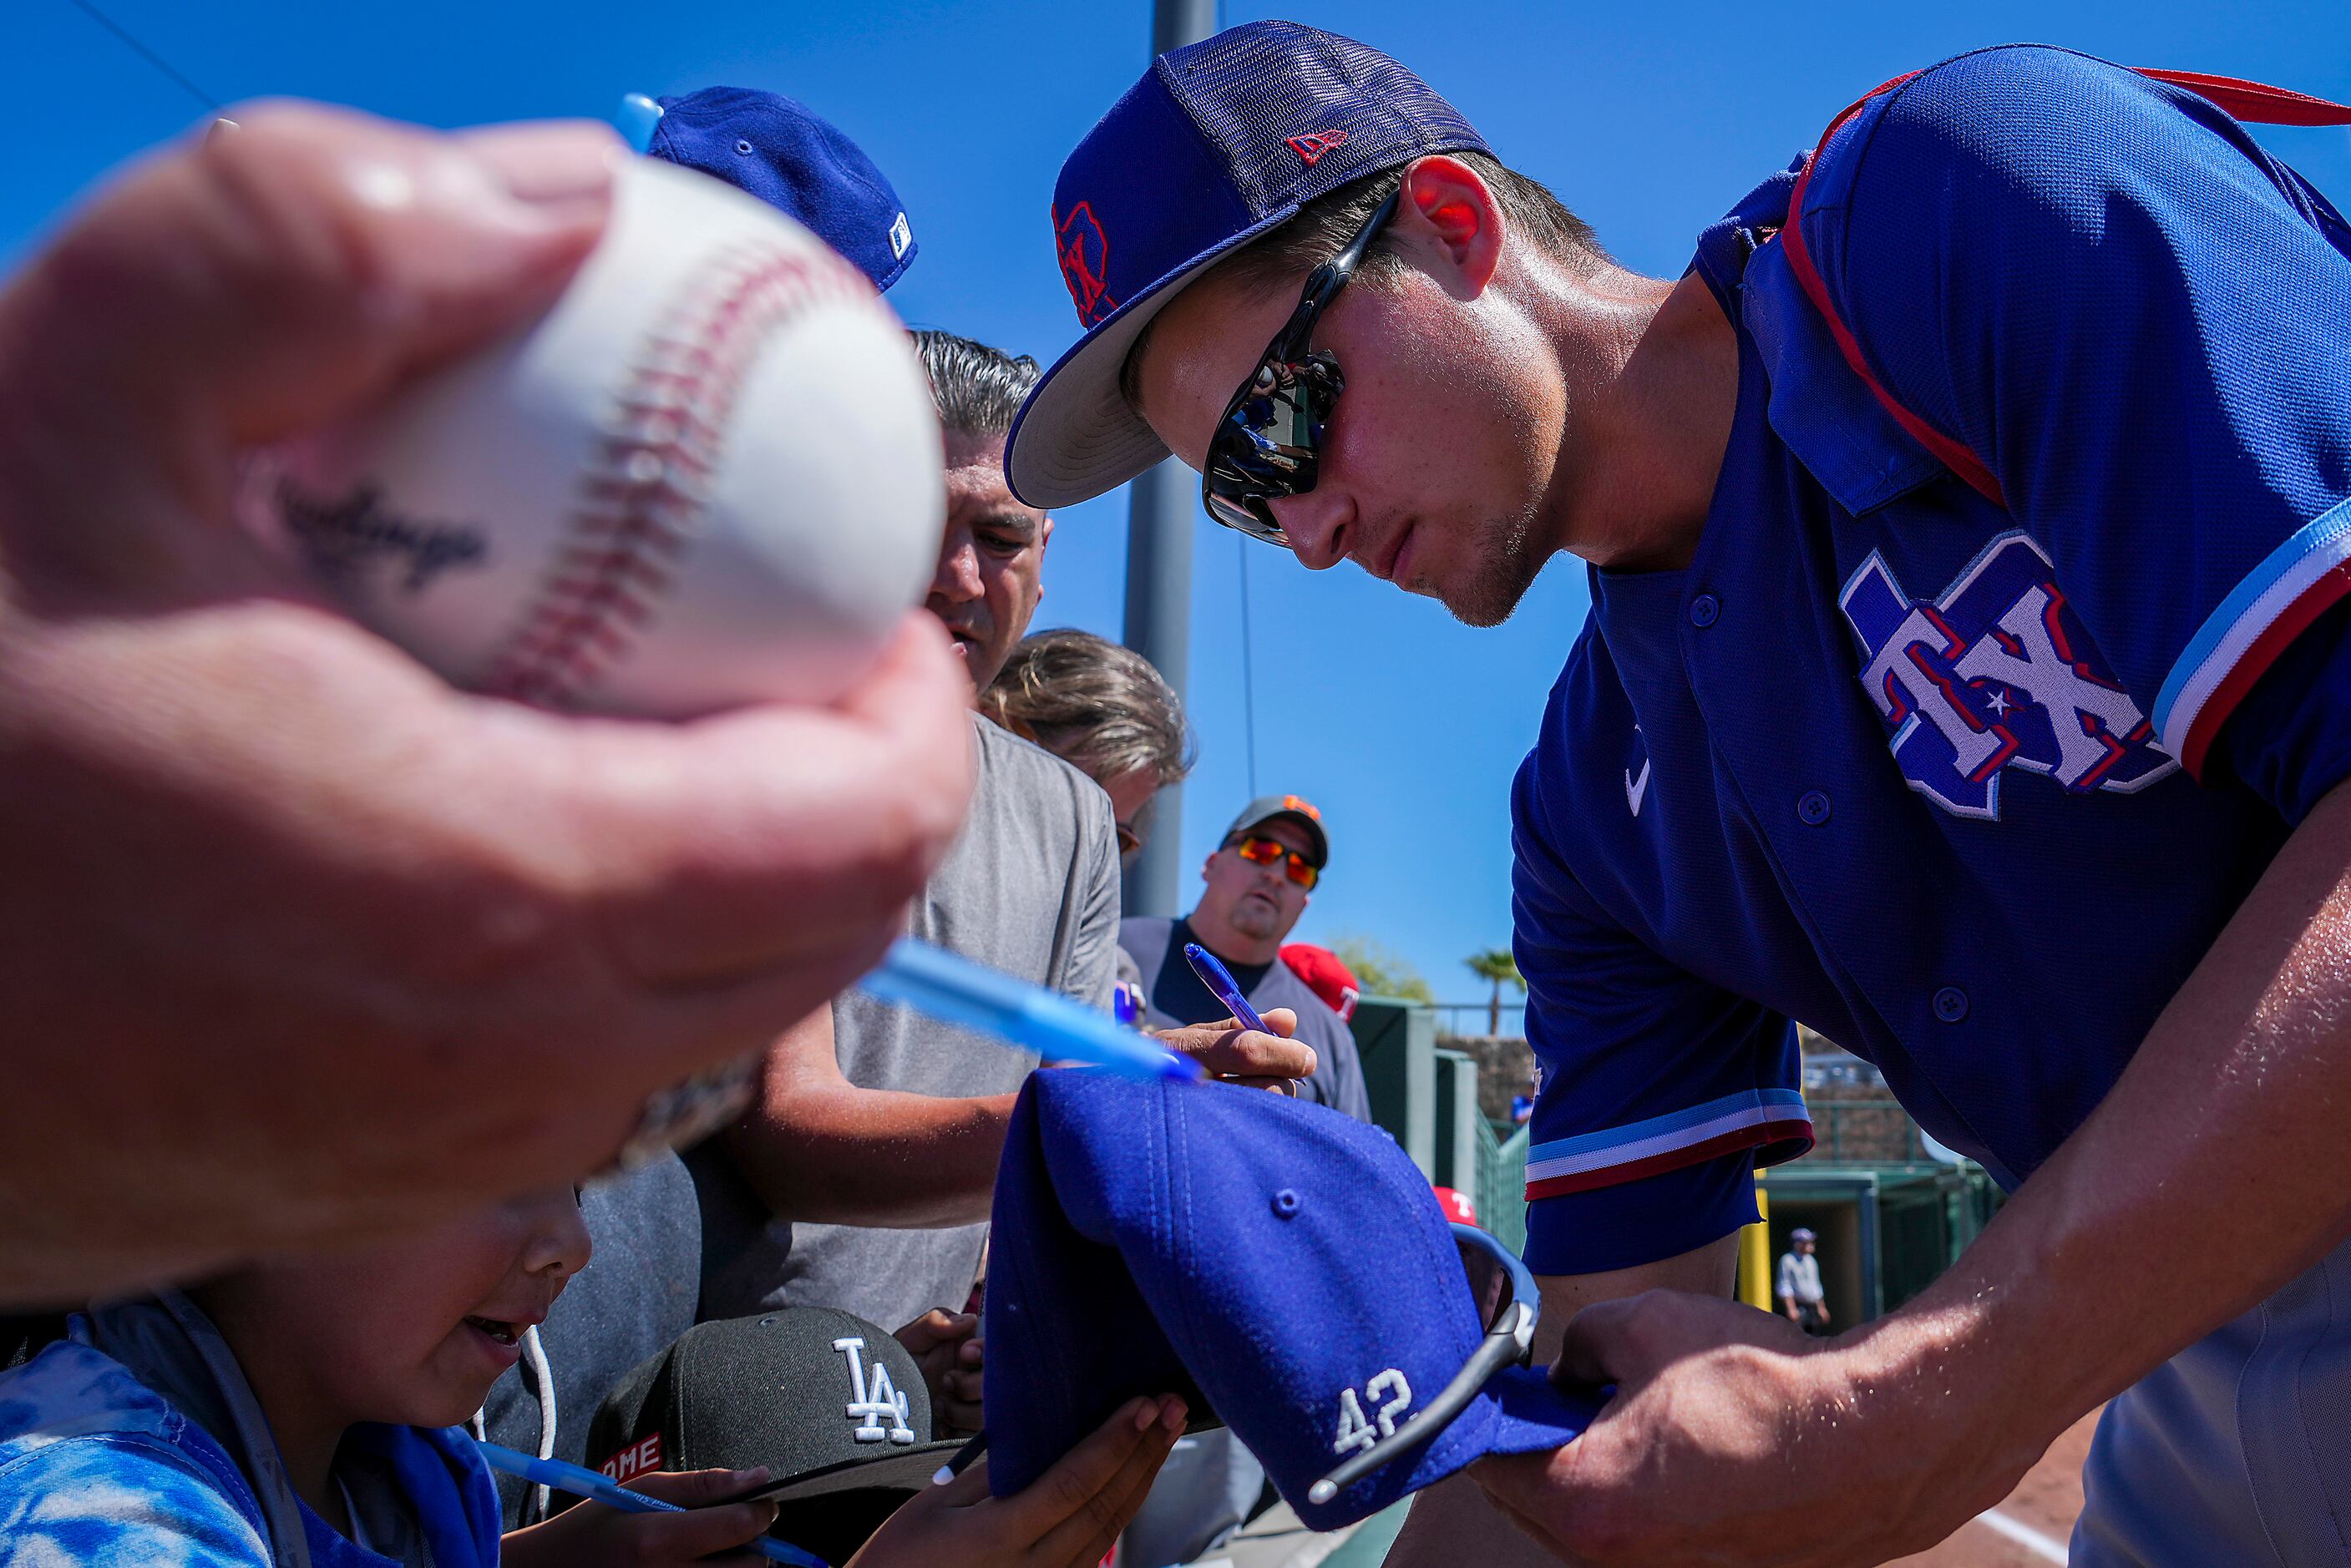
1244	470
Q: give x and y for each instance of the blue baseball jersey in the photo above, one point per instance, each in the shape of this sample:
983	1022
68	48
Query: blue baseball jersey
1967	788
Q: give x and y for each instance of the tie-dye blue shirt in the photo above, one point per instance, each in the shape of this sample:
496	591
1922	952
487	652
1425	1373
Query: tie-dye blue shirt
97	1469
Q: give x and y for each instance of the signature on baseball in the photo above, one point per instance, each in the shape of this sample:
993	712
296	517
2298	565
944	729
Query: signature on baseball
343	538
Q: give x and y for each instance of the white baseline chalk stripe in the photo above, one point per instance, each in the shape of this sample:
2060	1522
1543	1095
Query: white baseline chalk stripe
2025	1535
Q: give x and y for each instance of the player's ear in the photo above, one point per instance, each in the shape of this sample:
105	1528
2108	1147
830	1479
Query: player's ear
1450	225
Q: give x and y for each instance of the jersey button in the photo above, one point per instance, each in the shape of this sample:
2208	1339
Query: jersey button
1705	611
1813	807
1950	1004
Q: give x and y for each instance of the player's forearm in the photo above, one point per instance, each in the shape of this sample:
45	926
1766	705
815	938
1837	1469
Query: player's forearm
1455	1516
2227	1127
845	1156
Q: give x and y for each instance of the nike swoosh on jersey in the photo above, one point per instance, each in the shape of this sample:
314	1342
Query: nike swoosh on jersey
1637	790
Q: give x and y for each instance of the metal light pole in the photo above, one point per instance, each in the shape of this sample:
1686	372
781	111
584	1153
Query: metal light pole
1159	567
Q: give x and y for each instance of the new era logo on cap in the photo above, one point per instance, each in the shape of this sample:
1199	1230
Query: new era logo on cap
1315	144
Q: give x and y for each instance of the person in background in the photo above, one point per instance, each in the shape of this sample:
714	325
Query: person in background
861	1177
1522	1106
1326	975
1801	1296
1254	888
1103	710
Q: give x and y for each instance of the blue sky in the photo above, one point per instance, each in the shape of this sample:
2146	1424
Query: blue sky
1648	120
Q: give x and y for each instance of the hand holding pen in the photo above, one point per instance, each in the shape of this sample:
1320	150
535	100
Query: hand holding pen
1277	1065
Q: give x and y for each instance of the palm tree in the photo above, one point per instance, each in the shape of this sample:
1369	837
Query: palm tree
1496	965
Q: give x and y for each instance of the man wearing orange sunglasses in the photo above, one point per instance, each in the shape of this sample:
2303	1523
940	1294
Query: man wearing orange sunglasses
1256	887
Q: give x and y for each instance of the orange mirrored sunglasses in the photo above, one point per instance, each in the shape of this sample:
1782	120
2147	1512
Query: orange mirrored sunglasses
1267	852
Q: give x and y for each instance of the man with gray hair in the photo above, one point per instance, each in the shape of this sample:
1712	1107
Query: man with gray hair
861	1177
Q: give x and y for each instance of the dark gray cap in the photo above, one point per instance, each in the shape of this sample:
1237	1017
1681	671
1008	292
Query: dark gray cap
834	1406
1289	808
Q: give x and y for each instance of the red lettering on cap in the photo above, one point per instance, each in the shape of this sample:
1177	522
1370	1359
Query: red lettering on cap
1298	803
1085	262
1315	143
640	1458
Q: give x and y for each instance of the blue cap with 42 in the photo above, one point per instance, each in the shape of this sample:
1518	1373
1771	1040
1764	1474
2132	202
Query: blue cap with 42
1276	1263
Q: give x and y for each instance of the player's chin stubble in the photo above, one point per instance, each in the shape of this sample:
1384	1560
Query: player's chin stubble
1504	570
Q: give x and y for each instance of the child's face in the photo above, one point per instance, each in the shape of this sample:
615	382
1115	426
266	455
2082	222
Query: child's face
412	1331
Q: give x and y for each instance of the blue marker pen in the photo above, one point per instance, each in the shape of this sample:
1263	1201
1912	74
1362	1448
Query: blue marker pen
955	989
581	1481
1219	981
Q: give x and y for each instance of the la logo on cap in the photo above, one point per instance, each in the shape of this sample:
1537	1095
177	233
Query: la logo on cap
874	1400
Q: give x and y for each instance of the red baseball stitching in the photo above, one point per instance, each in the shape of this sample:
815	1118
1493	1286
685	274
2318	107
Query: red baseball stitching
642	498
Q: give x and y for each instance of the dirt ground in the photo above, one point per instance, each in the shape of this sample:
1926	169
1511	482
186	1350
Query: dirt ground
2047	1499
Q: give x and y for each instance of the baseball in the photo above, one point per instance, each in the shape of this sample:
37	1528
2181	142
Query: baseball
708	476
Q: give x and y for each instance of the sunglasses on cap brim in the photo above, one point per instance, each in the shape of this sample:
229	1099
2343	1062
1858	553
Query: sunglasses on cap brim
1509	1304
1269	443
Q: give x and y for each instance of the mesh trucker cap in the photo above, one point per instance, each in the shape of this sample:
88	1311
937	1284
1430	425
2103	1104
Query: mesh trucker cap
1220	143
795	160
836	1407
1276	1263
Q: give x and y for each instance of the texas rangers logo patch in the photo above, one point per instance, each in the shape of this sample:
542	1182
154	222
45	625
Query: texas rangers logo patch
1997	673
1085	262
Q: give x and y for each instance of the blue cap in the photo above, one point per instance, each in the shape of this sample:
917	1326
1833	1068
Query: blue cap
1276	1263
1220	142
787	156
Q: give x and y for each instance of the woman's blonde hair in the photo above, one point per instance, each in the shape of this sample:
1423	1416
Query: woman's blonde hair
1097	706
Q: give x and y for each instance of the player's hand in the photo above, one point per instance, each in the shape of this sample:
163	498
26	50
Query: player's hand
1067	1518
1249	1056
947	1347
1733	1438
304	944
590	1535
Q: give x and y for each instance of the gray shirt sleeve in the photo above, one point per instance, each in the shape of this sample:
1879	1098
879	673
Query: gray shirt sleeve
1090	967
1787	1274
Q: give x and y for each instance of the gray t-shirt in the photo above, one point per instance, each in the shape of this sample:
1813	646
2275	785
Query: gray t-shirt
1031	889
1174	995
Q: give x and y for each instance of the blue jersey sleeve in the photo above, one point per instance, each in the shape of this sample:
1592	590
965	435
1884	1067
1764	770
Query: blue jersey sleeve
2136	320
1660	1092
